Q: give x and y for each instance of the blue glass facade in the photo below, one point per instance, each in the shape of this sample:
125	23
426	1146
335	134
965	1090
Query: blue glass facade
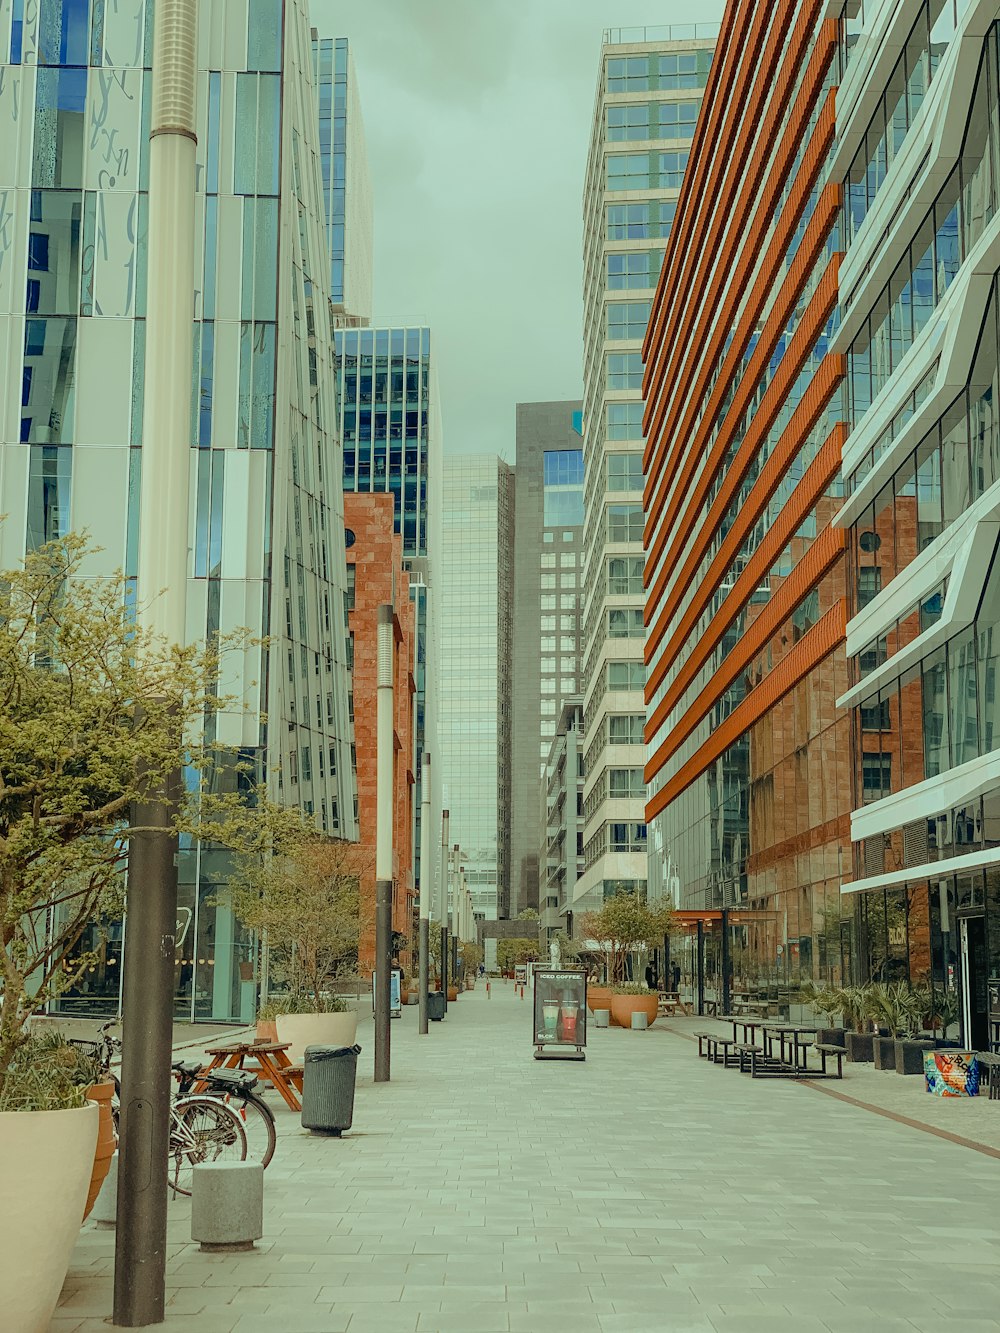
330	69
383	377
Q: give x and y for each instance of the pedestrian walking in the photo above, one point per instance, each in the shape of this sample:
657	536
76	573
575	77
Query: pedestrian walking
651	976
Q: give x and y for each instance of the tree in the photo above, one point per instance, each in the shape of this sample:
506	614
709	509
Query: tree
624	924
95	711
305	898
512	952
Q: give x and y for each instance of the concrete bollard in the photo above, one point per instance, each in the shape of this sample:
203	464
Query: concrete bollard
640	1022
602	1018
105	1210
227	1205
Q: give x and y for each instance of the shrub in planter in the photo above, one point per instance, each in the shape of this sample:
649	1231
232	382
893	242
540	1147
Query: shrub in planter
314	1020
860	1047
632	999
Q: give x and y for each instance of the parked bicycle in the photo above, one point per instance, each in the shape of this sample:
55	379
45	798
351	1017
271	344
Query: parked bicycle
235	1087
202	1128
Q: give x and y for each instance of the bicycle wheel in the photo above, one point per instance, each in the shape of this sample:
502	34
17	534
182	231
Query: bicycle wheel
203	1129
258	1124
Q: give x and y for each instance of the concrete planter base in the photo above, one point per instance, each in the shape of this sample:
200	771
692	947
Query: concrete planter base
910	1056
859	1047
884	1051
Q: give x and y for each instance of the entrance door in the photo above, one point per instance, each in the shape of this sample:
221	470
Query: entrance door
974	995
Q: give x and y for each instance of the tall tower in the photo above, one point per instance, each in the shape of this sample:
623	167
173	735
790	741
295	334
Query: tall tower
648	99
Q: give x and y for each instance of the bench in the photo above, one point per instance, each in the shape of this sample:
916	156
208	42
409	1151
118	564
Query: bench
723	1044
826	1050
991	1063
706	1039
748	1058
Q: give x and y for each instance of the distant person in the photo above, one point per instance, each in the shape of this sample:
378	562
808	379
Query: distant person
650	977
677	976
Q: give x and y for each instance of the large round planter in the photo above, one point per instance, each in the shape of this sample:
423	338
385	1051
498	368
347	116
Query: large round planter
107	1141
302	1030
46	1160
624	1006
598	997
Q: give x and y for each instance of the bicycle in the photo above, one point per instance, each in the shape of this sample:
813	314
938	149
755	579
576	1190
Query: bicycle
202	1129
229	1086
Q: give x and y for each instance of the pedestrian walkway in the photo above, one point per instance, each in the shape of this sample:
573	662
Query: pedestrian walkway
484	1192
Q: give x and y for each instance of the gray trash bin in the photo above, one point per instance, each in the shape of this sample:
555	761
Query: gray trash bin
435	1005
329	1074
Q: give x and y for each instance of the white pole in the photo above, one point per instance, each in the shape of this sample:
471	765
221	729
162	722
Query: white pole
423	940
148	965
383	841
443	906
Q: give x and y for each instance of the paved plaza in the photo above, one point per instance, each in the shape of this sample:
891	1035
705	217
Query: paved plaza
484	1192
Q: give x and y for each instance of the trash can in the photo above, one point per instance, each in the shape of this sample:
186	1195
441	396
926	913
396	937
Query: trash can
329	1074
435	1005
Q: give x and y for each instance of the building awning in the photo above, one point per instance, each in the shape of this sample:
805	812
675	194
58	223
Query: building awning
934	870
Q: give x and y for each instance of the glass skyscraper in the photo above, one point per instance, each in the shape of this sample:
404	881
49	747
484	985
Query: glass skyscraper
477	590
391	433
267	534
346	186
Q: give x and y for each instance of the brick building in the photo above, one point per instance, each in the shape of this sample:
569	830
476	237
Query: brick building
375	577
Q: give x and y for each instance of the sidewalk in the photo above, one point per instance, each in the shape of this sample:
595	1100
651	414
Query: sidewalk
484	1192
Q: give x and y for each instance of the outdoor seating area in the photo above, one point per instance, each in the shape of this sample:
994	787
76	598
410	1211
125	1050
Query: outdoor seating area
784	1050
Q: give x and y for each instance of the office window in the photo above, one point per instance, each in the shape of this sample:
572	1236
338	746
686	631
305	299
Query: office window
624	523
626	675
624	421
627	171
633	269
625	575
628	122
625	472
625	782
628	74
627	319
678	119
624	370
625	623
626	728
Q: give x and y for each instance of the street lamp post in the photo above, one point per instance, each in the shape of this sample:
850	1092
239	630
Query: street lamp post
383	843
423	941
148	982
456	885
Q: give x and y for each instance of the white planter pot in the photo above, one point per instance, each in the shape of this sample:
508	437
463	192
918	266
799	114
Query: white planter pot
302	1030
46	1158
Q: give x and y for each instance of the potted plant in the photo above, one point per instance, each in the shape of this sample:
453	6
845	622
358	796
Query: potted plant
856	1008
828	1001
625	925
267	1016
472	956
629	999
306	898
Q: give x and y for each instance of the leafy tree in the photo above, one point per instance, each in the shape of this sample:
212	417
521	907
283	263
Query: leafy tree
625	924
305	900
95	713
512	952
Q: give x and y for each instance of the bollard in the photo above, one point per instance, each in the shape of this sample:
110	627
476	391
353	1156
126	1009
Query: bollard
105	1210
640	1022
488	990
602	1017
227	1205
522	992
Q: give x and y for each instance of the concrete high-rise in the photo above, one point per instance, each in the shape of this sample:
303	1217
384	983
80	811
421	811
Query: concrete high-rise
648	100
477	598
548	528
266	531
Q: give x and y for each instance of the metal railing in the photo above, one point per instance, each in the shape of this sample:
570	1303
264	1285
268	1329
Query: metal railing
668	32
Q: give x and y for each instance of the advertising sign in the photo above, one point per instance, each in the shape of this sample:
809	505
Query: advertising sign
395	1000
520	974
559	1013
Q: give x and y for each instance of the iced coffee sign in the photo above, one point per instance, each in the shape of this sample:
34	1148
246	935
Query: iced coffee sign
560	1014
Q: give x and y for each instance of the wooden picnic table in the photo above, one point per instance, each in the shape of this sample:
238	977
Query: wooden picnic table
272	1058
669	1001
747	1024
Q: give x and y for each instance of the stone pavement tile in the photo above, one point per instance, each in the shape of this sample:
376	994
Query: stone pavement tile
393	1319
768	1322
489	1321
631	1323
324	1319
522	1322
359	1294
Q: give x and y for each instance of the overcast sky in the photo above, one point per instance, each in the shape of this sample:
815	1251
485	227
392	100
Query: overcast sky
478	117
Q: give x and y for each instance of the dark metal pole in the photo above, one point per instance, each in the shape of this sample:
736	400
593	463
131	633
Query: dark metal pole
383	977
726	964
445	877
454	958
444	965
423	980
144	1124
700	966
665	983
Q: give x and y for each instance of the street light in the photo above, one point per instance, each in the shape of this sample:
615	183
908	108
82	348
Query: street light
383	842
148	982
443	907
423	979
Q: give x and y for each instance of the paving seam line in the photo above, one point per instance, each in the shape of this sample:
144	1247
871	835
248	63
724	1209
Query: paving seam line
945	1134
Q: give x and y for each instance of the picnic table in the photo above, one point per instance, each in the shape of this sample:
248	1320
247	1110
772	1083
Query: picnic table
669	1001
790	1034
272	1060
741	1021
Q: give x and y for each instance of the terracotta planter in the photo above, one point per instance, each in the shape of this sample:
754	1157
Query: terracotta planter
598	997
302	1030
267	1029
46	1159
452	994
107	1141
624	1006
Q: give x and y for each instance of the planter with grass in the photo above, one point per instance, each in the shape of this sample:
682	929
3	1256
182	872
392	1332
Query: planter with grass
884	1052
860	1047
632	999
910	1054
305	1021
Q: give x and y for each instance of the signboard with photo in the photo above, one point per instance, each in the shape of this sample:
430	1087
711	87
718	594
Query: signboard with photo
559	1012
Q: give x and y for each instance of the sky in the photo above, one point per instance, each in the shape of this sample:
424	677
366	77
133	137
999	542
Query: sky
478	116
